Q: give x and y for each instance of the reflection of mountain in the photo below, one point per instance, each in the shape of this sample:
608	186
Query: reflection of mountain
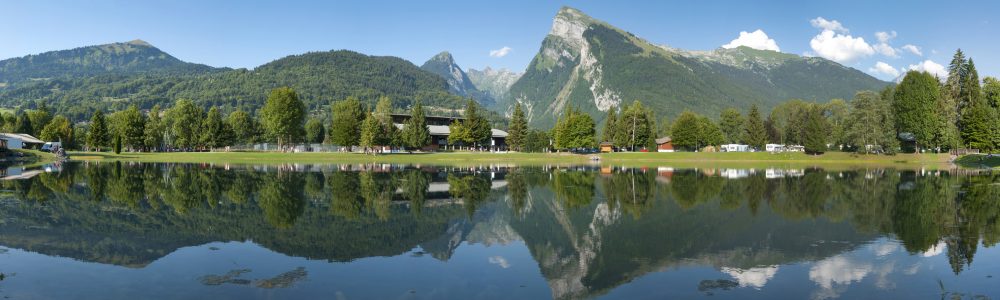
589	231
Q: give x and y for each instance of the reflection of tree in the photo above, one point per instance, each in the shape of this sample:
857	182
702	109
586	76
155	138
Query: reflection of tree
631	191
243	187
517	190
126	186
920	211
377	189
803	197
282	199
690	187
96	178
314	185
575	188
472	189
183	189
344	200
415	184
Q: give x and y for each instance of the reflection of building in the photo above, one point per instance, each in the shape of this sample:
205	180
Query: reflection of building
736	173
438	127
780	173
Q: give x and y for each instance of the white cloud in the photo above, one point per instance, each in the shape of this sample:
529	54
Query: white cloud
884	68
822	23
935	250
913	49
757	40
840	47
931	67
883	46
500	52
752	277
500	261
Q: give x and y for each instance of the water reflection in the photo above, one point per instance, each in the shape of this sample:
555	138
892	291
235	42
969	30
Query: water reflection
591	231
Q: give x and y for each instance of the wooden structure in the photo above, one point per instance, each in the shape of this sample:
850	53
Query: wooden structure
664	144
607	147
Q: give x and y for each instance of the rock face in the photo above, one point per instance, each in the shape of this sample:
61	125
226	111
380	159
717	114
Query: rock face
593	66
443	64
493	82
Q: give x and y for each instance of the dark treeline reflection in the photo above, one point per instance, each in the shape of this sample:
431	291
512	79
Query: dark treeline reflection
589	228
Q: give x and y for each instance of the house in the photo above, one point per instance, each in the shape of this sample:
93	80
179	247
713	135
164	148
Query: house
736	148
664	144
607	147
21	141
439	131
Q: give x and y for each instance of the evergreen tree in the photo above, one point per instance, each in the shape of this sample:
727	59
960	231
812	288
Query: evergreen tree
710	133
871	124
610	126
23	125
977	126
915	103
755	133
478	129
284	115
973	95
315	133
213	130
98	136
815	131
686	131
345	129
575	130
118	144
731	124
415	132
518	129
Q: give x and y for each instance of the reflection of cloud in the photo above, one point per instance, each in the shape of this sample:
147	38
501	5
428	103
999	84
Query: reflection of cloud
935	250
753	277
884	249
912	269
839	270
500	261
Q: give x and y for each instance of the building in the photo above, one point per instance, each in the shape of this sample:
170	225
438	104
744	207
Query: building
664	144
21	141
736	148
439	130
774	147
607	147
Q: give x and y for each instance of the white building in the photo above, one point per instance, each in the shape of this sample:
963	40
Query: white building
736	148
774	147
21	141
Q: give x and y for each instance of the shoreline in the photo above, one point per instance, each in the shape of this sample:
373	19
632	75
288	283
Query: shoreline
637	159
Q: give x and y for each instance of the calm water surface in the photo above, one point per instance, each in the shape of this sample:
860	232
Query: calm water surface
185	231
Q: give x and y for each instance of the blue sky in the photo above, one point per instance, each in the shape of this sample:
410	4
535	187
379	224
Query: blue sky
251	33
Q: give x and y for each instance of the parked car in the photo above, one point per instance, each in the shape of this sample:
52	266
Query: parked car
48	147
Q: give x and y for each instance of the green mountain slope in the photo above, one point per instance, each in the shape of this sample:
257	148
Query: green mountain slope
443	64
318	77
134	57
594	66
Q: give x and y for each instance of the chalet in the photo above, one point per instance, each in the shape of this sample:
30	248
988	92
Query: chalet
664	144
20	141
607	147
439	130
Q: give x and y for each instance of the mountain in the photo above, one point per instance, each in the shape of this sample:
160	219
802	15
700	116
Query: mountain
443	64
594	66
134	57
494	83
318	77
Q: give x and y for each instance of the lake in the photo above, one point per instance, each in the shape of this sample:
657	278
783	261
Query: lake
183	231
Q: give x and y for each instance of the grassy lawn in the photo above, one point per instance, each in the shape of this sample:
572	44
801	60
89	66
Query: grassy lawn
680	159
979	161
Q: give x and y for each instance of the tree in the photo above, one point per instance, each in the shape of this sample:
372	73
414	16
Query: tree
284	115
59	129
98	136
345	129
133	128
837	112
118	144
518	129
186	124
214	132
39	117
610	126
970	107
636	126
246	130
153	137
536	141
815	131
415	132
754	132
914	104
315	132
478	129
574	130
388	132
686	131
731	123
23	125
370	130
458	133
710	133
870	124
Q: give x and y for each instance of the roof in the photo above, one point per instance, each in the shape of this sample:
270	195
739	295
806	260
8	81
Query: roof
27	138
444	130
663	140
607	144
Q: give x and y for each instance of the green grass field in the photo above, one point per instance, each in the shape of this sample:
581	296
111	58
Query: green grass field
679	159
